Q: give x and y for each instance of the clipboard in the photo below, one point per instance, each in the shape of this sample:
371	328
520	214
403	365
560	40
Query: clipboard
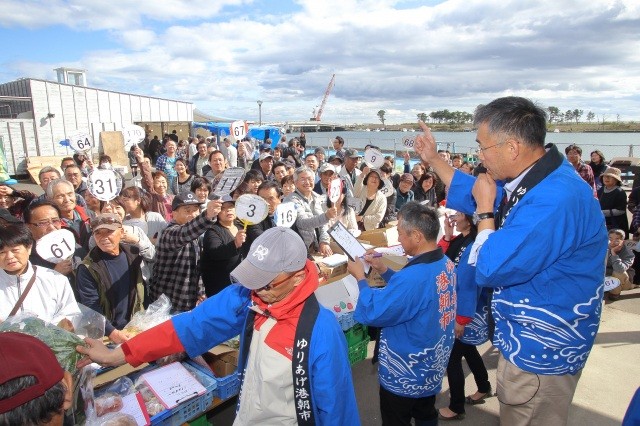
349	244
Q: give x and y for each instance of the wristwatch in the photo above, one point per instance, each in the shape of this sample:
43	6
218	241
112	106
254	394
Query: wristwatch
477	217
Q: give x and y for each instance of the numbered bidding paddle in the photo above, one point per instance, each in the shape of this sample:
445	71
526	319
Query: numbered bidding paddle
251	209
104	184
231	178
408	142
373	158
238	129
80	142
132	134
334	191
56	246
610	283
387	189
285	214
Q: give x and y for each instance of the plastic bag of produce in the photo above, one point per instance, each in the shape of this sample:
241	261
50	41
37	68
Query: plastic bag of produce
88	323
156	313
62	342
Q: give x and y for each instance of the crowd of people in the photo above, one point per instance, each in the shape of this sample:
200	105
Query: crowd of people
483	280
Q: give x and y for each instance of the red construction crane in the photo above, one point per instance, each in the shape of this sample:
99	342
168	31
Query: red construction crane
317	115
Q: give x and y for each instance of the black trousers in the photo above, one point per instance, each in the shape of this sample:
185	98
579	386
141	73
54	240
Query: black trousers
455	375
399	410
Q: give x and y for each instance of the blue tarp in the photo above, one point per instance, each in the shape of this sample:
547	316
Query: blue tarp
260	133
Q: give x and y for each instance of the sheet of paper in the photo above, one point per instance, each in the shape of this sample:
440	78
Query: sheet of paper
348	243
335	259
173	384
134	406
396	250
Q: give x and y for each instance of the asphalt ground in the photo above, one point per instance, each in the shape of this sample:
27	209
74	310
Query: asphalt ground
609	379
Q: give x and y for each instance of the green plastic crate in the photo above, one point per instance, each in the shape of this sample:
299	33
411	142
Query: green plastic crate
200	421
358	352
356	334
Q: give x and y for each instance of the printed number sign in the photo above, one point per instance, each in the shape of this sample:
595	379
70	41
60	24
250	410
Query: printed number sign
56	246
610	283
132	135
251	209
387	189
285	214
104	184
335	189
408	142
373	158
80	141
229	181
238	129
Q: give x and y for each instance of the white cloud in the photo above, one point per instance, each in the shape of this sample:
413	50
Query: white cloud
455	54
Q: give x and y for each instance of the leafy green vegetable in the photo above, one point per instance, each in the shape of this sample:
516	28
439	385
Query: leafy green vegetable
63	343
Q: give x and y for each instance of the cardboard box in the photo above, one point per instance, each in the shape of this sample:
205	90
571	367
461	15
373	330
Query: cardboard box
222	359
394	262
329	271
115	373
380	237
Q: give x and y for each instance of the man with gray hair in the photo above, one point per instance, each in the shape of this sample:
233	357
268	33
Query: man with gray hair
412	363
312	220
293	364
75	218
541	247
46	175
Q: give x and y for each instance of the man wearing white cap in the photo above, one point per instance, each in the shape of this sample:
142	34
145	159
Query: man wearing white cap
293	355
327	172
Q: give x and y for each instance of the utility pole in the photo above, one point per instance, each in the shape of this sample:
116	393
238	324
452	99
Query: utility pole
259	113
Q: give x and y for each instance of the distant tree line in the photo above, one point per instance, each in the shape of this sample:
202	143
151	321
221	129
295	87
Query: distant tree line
446	116
461	117
557	116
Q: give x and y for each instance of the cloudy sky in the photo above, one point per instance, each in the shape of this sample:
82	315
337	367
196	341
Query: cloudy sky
403	56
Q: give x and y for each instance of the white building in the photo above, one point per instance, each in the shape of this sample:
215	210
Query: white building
35	115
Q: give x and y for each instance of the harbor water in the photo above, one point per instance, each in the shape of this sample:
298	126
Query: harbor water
611	144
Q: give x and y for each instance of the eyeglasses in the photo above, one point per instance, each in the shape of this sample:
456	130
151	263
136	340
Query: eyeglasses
45	223
273	285
480	149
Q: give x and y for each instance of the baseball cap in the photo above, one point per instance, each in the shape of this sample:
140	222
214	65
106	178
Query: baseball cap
227	199
265	155
265	147
106	221
406	177
335	157
275	251
351	153
24	355
326	167
186	198
7	216
319	150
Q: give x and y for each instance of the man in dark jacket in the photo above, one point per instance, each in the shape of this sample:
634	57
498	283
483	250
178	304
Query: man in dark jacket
109	279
